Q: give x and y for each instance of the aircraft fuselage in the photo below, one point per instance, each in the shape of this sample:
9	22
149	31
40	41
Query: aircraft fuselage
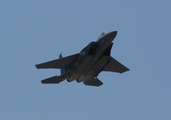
91	59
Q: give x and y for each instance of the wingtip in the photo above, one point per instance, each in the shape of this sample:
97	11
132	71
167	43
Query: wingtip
36	66
128	69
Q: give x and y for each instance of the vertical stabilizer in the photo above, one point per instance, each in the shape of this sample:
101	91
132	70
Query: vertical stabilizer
62	70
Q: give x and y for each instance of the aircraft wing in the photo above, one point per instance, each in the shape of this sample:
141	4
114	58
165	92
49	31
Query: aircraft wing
64	62
93	82
115	66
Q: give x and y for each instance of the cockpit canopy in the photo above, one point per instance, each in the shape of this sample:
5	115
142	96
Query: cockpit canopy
103	33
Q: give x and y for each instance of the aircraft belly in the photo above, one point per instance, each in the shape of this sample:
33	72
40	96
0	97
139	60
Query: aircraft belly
87	68
79	69
97	67
72	77
84	65
82	78
92	69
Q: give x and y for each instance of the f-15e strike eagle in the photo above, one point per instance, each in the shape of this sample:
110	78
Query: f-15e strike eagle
86	65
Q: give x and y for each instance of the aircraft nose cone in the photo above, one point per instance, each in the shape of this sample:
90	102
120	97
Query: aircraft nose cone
111	35
114	32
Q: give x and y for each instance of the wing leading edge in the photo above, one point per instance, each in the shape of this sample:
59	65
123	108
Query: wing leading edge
115	66
64	62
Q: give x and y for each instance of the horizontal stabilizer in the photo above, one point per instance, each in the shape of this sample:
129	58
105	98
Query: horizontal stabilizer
53	80
64	62
115	66
93	82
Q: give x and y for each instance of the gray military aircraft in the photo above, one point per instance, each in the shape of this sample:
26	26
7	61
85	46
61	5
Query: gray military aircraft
86	65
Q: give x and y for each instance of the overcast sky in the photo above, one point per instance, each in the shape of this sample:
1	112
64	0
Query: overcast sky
36	31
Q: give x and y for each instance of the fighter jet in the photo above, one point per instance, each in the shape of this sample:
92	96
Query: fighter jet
87	64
